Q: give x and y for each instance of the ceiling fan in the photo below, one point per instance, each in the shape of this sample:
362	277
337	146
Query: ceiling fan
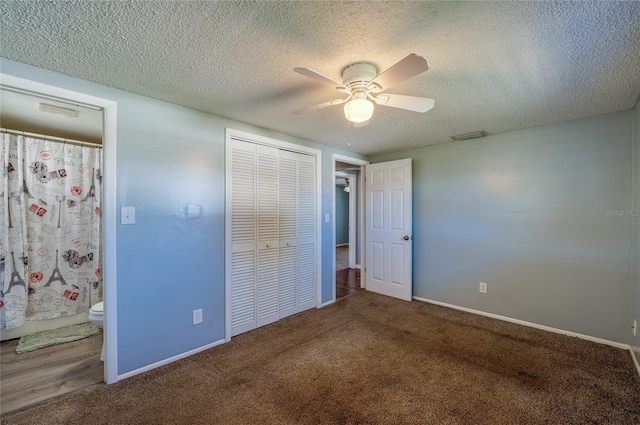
362	84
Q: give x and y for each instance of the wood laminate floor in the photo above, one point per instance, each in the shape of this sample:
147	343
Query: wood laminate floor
347	280
31	378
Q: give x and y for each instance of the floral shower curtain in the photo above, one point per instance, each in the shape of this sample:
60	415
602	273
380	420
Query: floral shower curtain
50	248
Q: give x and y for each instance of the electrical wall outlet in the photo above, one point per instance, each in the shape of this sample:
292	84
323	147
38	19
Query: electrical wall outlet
635	327
483	288
127	215
197	316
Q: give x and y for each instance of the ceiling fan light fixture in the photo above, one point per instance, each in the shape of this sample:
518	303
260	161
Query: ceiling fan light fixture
359	109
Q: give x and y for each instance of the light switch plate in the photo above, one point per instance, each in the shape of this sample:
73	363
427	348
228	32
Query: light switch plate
197	316
127	215
483	288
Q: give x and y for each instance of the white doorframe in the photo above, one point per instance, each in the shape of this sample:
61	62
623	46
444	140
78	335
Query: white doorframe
353	203
352	182
109	213
361	163
261	140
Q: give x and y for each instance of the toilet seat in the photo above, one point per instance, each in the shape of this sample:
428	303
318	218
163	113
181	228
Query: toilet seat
96	316
97	309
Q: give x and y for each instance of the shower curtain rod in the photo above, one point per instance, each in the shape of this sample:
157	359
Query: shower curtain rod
52	138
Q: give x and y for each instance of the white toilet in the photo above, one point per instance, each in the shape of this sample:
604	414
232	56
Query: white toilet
96	315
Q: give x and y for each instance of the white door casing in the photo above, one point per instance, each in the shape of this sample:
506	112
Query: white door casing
389	247
360	218
353	202
109	108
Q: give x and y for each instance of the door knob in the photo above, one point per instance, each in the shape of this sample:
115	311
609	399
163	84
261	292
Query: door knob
406	237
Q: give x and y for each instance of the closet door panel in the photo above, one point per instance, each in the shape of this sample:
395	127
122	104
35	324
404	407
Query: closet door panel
243	237
288	223
306	232
267	222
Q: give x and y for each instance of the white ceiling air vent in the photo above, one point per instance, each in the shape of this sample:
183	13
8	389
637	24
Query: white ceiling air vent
467	136
57	110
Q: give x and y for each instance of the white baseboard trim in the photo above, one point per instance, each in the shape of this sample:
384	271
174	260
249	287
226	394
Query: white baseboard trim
169	360
530	324
635	360
342	244
357	266
327	303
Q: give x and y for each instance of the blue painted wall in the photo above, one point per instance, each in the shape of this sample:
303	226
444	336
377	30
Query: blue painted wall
526	212
342	216
635	299
169	156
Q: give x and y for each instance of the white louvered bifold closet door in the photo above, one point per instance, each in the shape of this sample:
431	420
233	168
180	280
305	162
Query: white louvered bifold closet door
297	225
288	227
243	237
267	196
273	234
306	232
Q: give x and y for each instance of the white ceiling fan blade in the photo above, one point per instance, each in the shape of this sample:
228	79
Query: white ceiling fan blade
321	105
319	77
411	103
408	67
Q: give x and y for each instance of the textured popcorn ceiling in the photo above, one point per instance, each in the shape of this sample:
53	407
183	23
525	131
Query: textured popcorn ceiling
495	66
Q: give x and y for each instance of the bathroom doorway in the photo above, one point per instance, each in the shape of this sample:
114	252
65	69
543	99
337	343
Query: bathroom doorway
76	363
348	225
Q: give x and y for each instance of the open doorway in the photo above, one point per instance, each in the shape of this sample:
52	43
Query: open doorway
72	127
348	225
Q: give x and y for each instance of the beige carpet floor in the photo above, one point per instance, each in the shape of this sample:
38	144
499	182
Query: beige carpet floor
370	359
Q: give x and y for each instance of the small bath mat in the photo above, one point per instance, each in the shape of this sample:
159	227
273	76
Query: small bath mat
56	336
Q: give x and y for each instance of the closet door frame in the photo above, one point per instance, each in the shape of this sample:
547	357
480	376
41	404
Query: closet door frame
232	134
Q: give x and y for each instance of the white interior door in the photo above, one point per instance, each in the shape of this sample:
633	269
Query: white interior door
388	235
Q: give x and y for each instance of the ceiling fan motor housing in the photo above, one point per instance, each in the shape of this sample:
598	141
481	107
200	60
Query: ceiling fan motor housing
359	74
